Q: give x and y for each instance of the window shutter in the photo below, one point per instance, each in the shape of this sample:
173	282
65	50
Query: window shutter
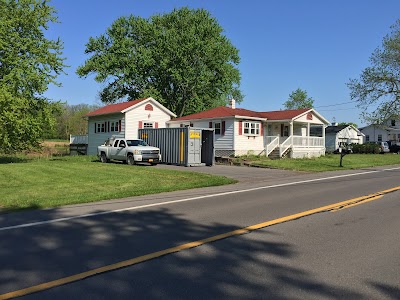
262	129
156	125
210	125
140	124
240	128
223	128
120	126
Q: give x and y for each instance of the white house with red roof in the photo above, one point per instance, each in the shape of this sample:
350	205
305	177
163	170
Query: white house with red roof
240	131
124	119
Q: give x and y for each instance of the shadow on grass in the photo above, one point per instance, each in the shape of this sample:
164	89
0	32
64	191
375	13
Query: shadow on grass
5	159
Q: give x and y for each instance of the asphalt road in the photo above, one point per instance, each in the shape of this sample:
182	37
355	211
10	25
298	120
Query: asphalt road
350	253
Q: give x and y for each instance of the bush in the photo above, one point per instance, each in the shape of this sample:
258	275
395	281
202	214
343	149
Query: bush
367	148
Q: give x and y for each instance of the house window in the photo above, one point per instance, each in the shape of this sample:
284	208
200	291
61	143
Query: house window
101	127
367	138
379	137
251	128
217	128
393	122
114	126
147	125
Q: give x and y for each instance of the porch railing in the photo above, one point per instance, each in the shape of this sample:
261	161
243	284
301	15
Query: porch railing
308	141
284	143
272	143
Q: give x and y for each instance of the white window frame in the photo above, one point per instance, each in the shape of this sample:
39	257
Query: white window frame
217	128
114	126
251	128
148	124
101	127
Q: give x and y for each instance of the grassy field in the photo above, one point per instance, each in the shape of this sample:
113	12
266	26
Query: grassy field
52	181
28	182
329	162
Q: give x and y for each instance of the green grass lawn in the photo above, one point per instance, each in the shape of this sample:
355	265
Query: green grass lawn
329	162
41	183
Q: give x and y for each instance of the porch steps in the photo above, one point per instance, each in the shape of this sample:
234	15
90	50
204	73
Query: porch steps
275	153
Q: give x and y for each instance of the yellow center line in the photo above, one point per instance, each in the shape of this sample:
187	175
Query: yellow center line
140	259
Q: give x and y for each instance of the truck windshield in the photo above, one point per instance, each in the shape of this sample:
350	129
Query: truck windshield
136	143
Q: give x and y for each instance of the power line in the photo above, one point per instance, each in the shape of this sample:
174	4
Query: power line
336	104
337	109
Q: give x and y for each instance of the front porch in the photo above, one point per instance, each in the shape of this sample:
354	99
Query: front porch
294	146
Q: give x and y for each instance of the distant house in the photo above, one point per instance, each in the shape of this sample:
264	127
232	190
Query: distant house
240	131
124	119
388	131
337	134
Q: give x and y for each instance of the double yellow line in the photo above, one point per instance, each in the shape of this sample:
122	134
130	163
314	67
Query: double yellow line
133	261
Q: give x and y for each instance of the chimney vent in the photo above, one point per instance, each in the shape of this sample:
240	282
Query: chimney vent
232	103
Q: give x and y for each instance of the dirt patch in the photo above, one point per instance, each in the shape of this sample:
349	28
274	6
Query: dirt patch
49	148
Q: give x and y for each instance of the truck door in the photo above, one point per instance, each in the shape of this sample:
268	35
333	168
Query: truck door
114	149
121	150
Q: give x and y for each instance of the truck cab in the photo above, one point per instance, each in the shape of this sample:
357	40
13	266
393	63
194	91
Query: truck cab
131	151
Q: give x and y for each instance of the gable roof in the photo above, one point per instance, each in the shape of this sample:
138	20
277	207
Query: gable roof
338	128
335	129
221	112
224	111
284	114
114	108
126	106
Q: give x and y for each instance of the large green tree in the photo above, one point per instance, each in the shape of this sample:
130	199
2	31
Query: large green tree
29	62
377	91
299	99
181	58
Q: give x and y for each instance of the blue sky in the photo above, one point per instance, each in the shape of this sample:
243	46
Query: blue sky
314	45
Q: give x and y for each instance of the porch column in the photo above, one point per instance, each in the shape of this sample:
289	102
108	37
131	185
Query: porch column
291	129
308	134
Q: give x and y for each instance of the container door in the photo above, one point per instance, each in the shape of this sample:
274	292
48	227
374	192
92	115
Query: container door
194	147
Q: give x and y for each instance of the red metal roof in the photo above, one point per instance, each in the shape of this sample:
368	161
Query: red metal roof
283	114
223	111
220	112
114	108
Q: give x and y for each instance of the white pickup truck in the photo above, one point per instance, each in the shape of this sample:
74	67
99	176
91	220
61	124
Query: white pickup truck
129	151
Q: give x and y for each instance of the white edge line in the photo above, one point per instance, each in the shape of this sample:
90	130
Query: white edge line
187	200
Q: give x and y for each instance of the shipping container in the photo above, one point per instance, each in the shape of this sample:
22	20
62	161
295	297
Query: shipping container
185	146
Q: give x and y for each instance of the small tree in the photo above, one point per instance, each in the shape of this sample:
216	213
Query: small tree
380	84
349	123
299	99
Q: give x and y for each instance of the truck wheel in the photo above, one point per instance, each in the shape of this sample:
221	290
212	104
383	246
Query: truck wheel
103	158
130	160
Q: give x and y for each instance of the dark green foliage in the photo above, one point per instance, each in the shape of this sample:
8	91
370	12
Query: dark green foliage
28	64
366	148
182	59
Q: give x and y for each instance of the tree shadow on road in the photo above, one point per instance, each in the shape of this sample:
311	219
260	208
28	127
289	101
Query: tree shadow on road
248	266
